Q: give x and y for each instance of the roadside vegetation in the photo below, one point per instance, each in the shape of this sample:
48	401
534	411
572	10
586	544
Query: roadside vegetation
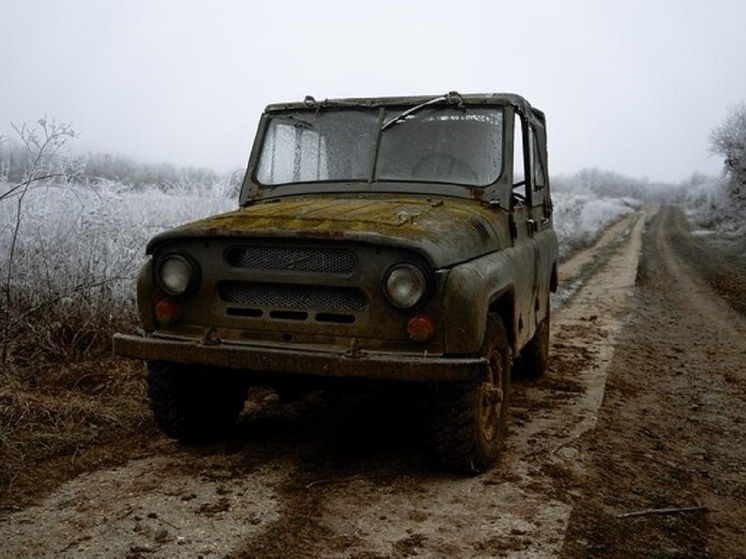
72	237
720	203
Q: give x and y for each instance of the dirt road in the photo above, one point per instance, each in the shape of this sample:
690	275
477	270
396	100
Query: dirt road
643	408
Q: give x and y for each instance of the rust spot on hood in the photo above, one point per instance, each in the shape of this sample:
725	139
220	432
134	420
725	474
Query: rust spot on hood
476	193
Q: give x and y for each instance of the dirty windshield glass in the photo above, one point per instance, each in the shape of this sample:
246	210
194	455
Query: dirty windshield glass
311	146
436	144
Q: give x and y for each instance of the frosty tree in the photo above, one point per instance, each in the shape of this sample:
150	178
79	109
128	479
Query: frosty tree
729	141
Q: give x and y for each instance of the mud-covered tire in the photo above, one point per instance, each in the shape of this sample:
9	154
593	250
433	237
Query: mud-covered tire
469	419
534	357
193	404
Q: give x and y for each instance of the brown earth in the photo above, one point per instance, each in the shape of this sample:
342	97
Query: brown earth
672	428
641	411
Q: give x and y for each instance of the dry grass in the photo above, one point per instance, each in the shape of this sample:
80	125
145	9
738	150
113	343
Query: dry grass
63	396
69	261
61	410
61	391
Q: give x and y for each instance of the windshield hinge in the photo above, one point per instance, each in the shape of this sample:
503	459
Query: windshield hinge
454	97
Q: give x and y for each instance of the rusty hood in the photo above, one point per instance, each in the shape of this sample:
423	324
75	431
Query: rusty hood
446	231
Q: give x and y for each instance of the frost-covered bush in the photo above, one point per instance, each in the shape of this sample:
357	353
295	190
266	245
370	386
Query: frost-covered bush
72	236
720	203
588	201
729	141
710	204
579	219
77	253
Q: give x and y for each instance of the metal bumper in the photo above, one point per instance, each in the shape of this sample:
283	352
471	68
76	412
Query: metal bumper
374	366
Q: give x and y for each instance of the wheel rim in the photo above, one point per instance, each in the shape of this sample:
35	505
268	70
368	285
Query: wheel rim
491	397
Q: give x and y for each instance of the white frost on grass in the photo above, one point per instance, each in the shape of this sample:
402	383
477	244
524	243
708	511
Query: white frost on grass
580	218
93	237
73	237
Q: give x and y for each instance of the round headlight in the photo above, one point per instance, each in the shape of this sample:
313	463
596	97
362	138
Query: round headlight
405	285
176	274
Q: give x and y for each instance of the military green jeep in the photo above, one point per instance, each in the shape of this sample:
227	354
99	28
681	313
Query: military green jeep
402	239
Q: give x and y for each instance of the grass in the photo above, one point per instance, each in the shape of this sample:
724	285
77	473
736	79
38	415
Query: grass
62	410
69	286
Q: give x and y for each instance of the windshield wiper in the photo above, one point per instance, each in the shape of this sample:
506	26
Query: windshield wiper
452	97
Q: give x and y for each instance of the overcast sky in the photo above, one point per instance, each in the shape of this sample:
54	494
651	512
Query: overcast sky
631	86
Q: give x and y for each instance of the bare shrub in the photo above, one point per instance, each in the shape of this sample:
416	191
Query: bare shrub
42	147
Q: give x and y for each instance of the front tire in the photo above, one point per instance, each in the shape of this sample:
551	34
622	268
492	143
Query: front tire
470	419
193	404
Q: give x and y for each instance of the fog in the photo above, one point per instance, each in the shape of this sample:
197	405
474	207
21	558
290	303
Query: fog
633	87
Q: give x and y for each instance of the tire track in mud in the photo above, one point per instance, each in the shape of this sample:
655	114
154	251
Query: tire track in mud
521	508
671	430
318	479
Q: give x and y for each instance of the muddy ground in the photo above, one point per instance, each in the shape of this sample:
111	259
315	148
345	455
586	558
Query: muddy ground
641	414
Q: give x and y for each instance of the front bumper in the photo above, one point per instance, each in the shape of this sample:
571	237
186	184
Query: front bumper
286	361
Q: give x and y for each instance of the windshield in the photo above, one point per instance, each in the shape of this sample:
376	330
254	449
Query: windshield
435	144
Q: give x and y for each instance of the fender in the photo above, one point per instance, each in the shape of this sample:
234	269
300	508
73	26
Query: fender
471	289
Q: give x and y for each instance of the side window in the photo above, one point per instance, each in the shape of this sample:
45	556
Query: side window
519	173
531	153
537	164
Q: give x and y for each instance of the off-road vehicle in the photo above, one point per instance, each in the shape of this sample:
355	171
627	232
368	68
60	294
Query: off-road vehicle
399	239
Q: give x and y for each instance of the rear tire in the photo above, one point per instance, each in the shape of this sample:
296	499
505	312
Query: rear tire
469	419
193	404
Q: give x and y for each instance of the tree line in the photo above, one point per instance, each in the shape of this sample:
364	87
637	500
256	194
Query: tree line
19	158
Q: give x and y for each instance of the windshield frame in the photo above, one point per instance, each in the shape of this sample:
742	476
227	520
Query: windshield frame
498	191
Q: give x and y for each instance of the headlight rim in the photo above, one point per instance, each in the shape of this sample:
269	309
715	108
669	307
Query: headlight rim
426	285
194	275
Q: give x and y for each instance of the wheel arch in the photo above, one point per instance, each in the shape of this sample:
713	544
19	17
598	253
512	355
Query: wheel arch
554	278
492	283
503	305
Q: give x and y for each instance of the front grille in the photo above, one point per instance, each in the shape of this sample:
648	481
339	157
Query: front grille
258	295
319	260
